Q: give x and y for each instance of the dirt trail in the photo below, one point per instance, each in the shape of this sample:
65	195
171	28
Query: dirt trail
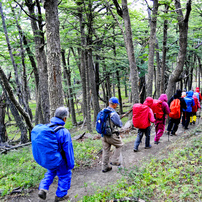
86	182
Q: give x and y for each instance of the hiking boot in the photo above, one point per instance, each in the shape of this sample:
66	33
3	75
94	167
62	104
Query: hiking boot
148	147
194	122
156	142
135	150
61	198
42	194
115	164
107	169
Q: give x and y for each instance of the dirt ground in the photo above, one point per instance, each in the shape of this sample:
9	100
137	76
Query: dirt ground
86	182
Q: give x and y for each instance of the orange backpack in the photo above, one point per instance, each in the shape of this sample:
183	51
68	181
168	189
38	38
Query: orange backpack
175	109
157	109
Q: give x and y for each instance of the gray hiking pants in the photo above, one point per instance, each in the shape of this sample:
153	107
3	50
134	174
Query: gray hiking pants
107	142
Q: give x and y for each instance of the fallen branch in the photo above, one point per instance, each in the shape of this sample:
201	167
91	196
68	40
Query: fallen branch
79	136
15	147
126	113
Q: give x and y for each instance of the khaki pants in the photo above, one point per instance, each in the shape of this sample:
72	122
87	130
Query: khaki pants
107	142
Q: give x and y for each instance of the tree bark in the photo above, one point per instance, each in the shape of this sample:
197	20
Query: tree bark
163	68
82	59
25	89
130	52
152	43
37	28
158	71
67	74
183	32
19	90
3	133
15	102
56	96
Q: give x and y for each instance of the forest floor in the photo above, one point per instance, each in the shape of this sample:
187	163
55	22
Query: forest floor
87	181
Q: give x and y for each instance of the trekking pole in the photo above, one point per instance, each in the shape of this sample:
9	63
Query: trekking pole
168	136
199	116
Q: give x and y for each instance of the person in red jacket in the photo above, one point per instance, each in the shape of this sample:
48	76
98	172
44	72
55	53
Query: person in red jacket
160	123
149	118
194	109
199	94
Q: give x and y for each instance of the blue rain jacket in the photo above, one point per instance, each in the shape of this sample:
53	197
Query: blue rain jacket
189	101
64	170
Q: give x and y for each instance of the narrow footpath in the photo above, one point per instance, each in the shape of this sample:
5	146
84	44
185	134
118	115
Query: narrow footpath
86	182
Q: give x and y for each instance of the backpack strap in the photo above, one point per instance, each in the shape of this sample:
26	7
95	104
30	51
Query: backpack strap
58	128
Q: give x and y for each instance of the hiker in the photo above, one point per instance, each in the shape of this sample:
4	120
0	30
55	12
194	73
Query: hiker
188	112
184	94
174	122
146	119
114	139
63	171
197	90
160	123
194	109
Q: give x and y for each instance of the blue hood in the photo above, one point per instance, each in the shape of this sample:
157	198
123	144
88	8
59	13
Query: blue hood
190	94
57	121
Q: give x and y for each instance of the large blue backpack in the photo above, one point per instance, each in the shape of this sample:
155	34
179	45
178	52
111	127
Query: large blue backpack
103	122
45	145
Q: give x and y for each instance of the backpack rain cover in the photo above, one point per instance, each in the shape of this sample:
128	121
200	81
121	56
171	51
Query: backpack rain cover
140	116
175	109
45	146
157	109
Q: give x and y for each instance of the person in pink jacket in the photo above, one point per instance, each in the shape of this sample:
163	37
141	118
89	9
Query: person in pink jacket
148	119
160	123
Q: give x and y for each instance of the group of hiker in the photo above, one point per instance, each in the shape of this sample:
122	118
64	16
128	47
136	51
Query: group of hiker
180	108
52	145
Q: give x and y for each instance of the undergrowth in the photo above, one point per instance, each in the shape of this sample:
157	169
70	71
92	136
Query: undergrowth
18	169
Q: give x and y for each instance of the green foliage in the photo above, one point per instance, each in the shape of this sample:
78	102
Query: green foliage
18	169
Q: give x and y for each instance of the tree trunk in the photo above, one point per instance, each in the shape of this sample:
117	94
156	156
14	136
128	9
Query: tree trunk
67	74
41	60
200	72
152	43
82	61
19	122
130	52
25	90
183	32
16	115
19	91
53	55
3	133
15	102
165	29
158	71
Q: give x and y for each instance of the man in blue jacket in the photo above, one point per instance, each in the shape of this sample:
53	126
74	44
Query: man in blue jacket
63	172
188	112
114	139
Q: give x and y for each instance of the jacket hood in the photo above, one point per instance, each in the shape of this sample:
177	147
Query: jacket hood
148	101
57	121
197	89
190	93
163	97
178	94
